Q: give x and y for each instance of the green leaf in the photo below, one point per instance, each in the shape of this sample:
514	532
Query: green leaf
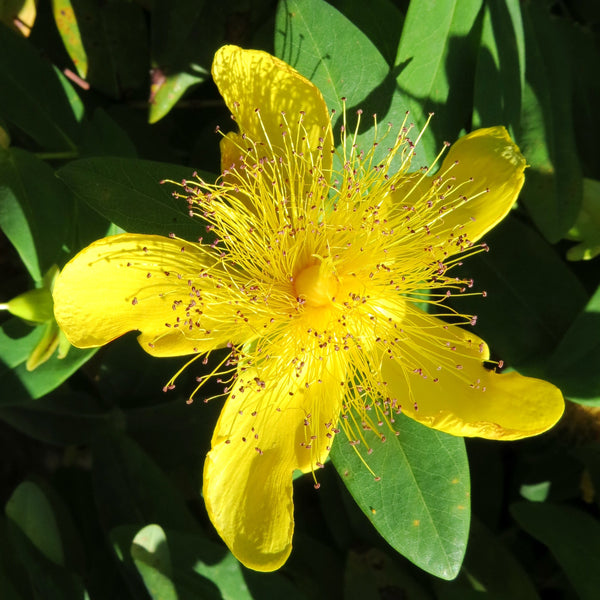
323	45
17	341
182	48
114	38
103	137
66	23
500	72
150	553
63	419
521	318
194	566
438	48
587	226
29	508
46	580
575	364
36	210
48	118
421	503
130	488
382	23
495	568
167	90
128	192
19	15
374	574
553	184
572	536
175	563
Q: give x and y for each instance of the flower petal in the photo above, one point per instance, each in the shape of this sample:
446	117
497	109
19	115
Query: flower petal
251	80
128	282
271	424
486	170
441	381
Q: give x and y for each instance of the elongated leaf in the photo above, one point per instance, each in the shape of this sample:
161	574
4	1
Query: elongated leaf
374	574
519	318
29	508
168	90
319	42
130	488
36	210
114	38
17	341
553	187
493	566
382	23
128	193
45	541
61	419
66	23
103	137
175	563
572	536
438	47
18	15
150	553
421	504
183	47
46	580
47	117
575	364
500	72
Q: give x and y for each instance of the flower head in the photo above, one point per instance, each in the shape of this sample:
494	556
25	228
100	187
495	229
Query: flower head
314	280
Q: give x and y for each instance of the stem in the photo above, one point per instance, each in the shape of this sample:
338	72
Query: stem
57	155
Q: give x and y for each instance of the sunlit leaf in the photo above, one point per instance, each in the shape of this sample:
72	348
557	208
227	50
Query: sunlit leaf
167	90
18	14
66	23
332	52
438	49
500	72
553	185
420	502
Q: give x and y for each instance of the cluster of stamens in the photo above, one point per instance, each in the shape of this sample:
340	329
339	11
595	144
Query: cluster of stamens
313	275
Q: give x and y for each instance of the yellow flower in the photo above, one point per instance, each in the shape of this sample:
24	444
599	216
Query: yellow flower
312	282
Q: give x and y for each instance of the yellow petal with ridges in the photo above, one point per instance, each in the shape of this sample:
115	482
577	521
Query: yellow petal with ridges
441	382
138	282
476	186
251	80
272	423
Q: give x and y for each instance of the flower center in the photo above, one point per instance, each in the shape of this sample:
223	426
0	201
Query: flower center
317	285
